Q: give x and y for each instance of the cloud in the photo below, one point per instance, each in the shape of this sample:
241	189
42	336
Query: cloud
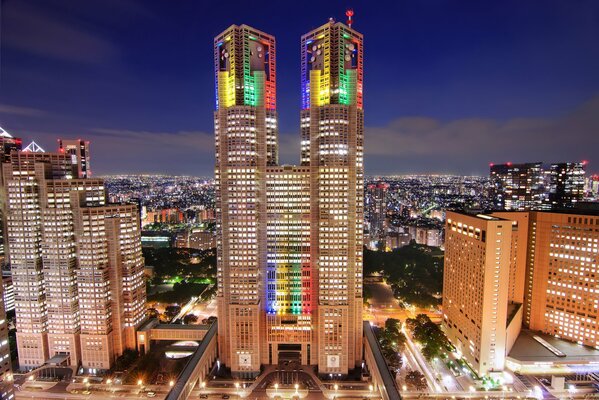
36	31
463	144
129	151
21	111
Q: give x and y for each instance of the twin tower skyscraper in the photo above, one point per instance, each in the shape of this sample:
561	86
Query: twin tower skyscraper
289	237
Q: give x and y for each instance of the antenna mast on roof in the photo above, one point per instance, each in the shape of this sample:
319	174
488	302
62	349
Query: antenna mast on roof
349	13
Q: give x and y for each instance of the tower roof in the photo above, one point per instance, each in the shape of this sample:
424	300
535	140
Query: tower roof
34	148
4	133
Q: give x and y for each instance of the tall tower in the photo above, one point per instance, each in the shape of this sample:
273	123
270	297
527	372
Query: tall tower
332	130
289	237
245	124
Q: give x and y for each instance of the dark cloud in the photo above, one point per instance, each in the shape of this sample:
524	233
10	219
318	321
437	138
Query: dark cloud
422	144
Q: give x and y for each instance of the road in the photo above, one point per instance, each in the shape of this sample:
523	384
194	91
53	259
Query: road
383	305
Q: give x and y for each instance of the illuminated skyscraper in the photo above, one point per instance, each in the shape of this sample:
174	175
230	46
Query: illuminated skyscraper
332	129
510	271
76	263
567	184
475	281
376	206
519	187
289	237
534	186
246	142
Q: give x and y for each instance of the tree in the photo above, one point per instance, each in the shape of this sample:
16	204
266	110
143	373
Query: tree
190	319
416	379
172	311
393	324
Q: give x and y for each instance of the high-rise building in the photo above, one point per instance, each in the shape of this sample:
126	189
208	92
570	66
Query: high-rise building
521	270
534	186
475	279
376	207
566	184
560	295
76	263
289	237
519	187
332	129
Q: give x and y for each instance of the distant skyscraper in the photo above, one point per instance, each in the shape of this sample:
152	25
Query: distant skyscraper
566	184
376	199
533	186
77	267
289	237
519	187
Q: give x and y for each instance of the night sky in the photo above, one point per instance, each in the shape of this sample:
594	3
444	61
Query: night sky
449	85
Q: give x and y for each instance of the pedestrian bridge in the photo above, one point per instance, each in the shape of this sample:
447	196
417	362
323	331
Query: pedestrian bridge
154	330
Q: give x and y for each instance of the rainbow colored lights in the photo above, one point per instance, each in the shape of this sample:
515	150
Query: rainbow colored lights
332	66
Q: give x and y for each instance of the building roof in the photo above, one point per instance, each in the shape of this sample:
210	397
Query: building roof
528	350
4	133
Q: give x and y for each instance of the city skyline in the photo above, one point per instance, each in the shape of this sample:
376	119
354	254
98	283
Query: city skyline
447	100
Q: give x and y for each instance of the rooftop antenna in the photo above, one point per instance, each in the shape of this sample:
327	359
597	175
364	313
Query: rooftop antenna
349	13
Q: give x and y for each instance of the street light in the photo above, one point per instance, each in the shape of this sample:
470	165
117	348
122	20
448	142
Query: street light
336	387
276	387
296	388
171	383
140	382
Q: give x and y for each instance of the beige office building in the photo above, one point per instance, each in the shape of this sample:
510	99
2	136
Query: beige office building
509	271
289	237
561	292
477	259
76	263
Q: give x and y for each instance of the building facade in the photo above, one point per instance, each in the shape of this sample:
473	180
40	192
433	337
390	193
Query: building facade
476	275
76	263
376	207
534	186
519	187
289	237
561	298
541	276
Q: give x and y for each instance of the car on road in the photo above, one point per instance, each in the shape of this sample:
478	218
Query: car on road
151	394
203	396
225	396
